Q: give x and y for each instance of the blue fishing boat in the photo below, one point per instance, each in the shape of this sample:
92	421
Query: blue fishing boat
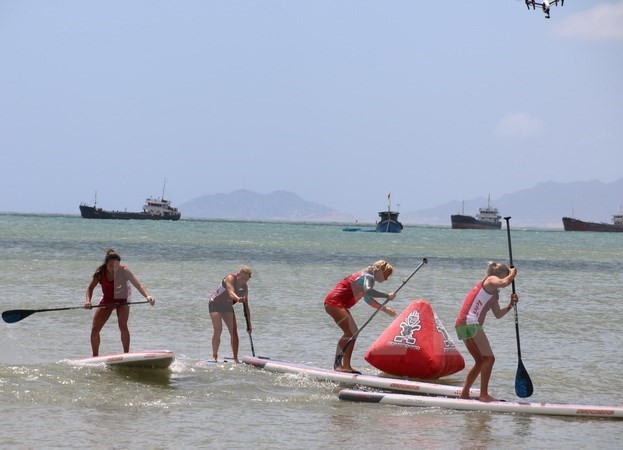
389	219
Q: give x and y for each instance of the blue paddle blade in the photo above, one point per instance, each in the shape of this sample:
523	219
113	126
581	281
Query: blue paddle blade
16	315
523	383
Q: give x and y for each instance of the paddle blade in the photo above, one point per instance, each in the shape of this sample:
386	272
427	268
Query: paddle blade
523	383
15	315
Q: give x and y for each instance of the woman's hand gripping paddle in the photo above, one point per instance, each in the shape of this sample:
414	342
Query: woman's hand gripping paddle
340	356
523	383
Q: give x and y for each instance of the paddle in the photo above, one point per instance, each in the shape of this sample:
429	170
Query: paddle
246	318
338	358
523	384
15	315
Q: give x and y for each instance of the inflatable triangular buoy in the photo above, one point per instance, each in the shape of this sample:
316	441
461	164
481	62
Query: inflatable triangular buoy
416	345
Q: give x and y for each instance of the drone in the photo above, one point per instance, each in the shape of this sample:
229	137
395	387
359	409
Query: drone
544	5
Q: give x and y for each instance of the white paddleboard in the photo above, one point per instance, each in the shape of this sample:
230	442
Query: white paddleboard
210	362
379	382
551	409
152	359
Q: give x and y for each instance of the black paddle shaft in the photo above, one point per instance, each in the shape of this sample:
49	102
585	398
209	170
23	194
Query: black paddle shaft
523	383
510	258
15	315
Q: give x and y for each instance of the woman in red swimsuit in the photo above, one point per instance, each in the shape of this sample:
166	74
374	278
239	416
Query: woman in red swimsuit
115	279
346	294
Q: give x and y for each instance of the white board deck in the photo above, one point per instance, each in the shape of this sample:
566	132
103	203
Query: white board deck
379	382
152	359
551	409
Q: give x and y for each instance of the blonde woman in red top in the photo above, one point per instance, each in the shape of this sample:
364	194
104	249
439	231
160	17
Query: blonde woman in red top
484	297
345	295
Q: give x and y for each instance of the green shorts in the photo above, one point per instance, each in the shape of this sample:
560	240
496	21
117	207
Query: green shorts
468	331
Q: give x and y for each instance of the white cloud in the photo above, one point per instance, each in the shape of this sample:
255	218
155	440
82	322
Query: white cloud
519	125
602	22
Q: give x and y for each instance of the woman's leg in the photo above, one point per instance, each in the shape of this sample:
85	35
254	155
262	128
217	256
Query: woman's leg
480	349
123	314
345	321
99	320
232	326
217	325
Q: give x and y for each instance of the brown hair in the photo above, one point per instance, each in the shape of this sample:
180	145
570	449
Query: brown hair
110	255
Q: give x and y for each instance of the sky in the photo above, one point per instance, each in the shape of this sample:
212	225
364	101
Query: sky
338	101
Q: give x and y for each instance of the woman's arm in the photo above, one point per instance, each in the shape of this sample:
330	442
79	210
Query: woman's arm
137	284
230	285
493	283
89	294
501	312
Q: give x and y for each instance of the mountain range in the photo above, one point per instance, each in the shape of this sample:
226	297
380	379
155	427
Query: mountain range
541	206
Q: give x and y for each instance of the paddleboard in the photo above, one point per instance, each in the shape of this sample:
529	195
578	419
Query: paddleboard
551	409
152	359
210	362
375	381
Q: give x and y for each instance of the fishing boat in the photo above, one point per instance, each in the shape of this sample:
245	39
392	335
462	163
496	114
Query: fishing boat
486	219
389	219
155	208
571	224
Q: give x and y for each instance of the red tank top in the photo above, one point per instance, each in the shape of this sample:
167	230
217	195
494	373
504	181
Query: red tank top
116	291
347	292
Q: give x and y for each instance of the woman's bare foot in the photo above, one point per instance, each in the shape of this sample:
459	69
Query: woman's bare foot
347	370
486	398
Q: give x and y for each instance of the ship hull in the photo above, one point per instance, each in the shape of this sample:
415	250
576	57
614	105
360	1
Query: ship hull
579	225
389	226
389	222
463	222
91	212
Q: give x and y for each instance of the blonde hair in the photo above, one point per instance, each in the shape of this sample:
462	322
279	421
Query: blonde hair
383	266
245	270
497	269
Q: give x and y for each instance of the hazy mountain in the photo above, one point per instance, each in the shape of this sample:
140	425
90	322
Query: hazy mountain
247	205
544	205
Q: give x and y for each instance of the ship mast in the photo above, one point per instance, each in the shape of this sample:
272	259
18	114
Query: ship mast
163	186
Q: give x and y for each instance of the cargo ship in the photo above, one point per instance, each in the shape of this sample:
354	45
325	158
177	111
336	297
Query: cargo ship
571	224
486	219
155	208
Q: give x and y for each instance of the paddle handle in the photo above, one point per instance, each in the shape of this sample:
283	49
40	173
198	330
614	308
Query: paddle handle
424	261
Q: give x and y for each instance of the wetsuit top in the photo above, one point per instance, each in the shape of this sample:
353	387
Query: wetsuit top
353	288
220	294
476	305
116	291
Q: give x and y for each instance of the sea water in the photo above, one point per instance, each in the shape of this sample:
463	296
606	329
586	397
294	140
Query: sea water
570	322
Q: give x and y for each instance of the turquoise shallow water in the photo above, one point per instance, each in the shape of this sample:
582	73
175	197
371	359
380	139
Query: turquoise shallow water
570	322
